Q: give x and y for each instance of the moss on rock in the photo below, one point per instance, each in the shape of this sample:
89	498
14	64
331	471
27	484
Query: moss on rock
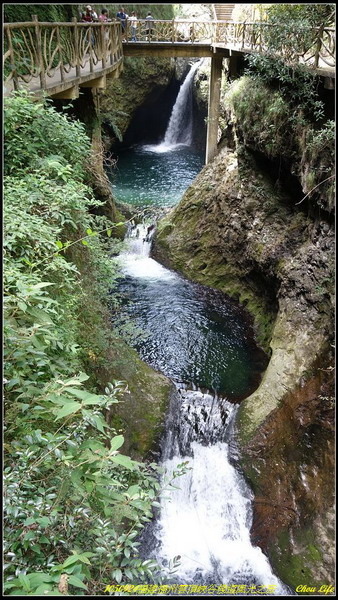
143	406
141	78
235	231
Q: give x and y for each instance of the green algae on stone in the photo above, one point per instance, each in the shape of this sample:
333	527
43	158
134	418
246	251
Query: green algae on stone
143	407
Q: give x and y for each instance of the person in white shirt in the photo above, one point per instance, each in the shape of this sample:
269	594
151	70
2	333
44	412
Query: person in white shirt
133	26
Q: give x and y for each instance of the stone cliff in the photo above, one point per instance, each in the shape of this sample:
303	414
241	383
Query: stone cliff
246	229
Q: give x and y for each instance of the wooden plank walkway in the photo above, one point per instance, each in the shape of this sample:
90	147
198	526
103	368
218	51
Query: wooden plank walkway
59	58
55	85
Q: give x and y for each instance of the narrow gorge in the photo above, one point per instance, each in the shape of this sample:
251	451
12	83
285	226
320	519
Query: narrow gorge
169	305
244	227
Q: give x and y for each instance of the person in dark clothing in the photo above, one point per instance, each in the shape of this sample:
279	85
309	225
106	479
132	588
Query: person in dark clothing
121	15
89	16
150	23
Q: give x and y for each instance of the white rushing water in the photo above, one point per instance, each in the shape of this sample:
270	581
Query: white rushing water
135	260
180	127
206	520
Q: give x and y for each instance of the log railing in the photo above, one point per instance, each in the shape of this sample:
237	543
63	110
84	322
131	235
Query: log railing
44	50
313	46
35	50
170	31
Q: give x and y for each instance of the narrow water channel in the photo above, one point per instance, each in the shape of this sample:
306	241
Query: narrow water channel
193	334
203	341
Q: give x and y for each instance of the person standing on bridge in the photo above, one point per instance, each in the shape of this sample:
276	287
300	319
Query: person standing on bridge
133	26
104	16
150	19
89	16
122	16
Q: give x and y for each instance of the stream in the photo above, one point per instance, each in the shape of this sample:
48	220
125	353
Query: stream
203	341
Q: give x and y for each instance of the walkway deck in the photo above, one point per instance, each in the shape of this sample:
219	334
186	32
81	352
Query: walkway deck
59	58
56	87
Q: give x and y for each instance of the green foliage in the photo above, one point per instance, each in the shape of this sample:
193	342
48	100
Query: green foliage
264	117
44	12
110	119
74	505
301	15
318	146
41	133
278	128
297	85
70	491
319	142
293	28
65	12
158	11
292	33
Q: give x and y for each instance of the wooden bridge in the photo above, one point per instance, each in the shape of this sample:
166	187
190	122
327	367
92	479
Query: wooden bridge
59	58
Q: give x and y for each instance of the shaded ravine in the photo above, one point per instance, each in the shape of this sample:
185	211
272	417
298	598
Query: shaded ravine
192	334
158	175
200	339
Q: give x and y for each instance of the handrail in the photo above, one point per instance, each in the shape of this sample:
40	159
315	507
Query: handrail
43	50
36	49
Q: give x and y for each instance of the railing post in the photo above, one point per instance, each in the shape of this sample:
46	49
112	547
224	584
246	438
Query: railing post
214	35
253	37
173	31
192	34
91	41
103	45
77	46
39	51
62	71
318	45
115	33
14	73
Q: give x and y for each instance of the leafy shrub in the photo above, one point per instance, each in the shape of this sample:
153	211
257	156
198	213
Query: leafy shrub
73	504
31	131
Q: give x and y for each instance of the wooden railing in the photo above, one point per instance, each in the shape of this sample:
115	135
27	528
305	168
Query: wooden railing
43	50
315	47
170	31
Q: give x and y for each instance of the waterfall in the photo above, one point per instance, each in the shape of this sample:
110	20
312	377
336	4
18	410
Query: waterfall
180	127
135	260
206	520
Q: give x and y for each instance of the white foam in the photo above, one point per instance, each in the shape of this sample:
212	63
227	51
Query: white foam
207	520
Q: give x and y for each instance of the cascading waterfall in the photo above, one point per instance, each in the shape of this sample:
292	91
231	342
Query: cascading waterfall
206	520
180	127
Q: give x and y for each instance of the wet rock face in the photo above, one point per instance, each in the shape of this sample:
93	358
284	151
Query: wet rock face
234	230
291	465
144	82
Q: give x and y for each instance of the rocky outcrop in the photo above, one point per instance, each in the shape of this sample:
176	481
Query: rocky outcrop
237	231
264	121
141	83
142	408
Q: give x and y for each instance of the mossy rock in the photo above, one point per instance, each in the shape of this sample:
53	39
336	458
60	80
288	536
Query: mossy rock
142	410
